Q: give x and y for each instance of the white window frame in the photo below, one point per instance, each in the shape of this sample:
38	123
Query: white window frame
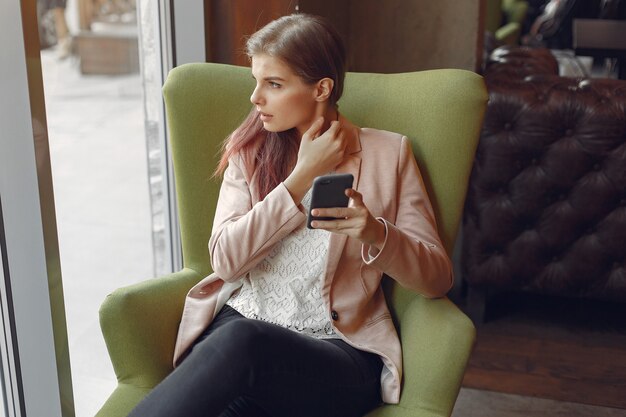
35	362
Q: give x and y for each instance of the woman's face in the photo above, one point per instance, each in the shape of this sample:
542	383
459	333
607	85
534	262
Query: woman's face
281	97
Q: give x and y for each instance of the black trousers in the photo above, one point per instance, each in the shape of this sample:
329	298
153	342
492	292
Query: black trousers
241	367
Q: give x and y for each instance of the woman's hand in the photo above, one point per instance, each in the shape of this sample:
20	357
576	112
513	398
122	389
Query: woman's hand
355	221
318	155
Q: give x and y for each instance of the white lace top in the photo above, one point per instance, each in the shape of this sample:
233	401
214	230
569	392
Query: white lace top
285	288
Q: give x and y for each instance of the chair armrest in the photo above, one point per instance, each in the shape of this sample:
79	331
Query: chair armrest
437	339
140	323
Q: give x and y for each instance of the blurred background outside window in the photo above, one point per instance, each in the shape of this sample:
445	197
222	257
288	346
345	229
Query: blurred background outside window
102	77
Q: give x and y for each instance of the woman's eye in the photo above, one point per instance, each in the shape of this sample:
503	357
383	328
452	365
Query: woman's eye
274	85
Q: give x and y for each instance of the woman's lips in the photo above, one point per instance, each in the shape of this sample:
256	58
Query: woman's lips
265	117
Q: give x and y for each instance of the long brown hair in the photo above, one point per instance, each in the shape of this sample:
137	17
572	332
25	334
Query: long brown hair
313	50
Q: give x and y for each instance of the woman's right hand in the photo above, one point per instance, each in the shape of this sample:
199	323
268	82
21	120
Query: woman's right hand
318	155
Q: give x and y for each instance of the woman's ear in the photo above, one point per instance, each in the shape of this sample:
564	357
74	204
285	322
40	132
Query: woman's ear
323	89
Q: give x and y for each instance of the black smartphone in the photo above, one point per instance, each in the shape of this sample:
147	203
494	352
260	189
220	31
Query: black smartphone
329	191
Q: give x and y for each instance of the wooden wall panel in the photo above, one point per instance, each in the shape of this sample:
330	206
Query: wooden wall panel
414	35
390	36
231	21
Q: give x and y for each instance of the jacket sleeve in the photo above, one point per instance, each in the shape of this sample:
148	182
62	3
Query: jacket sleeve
244	233
413	253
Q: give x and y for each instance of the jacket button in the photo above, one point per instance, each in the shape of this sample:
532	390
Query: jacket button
334	315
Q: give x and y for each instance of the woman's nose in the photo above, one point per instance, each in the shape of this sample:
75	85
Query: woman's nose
255	98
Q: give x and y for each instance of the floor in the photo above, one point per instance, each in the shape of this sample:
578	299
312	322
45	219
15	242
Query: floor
572	350
553	347
479	403
99	167
100	179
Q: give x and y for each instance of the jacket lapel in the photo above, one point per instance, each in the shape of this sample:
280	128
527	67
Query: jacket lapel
350	165
352	161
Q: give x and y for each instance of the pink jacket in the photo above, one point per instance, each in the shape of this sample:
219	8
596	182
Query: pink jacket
245	229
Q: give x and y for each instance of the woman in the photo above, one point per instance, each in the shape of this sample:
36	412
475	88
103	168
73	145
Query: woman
294	322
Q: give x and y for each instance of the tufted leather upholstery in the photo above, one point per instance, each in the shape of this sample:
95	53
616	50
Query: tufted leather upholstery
546	207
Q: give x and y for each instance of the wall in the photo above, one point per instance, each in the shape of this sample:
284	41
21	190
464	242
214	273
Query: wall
230	22
389	36
415	35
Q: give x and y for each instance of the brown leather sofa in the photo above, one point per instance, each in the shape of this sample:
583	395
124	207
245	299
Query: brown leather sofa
546	206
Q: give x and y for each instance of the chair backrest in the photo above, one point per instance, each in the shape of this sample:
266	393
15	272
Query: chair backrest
441	111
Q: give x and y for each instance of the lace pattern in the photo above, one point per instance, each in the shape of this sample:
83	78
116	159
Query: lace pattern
285	288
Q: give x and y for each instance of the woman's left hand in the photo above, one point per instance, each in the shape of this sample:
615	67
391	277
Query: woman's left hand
355	221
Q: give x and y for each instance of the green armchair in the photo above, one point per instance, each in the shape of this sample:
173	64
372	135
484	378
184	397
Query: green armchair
441	111
504	19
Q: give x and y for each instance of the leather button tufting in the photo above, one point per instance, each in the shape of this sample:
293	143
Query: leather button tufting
554	223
